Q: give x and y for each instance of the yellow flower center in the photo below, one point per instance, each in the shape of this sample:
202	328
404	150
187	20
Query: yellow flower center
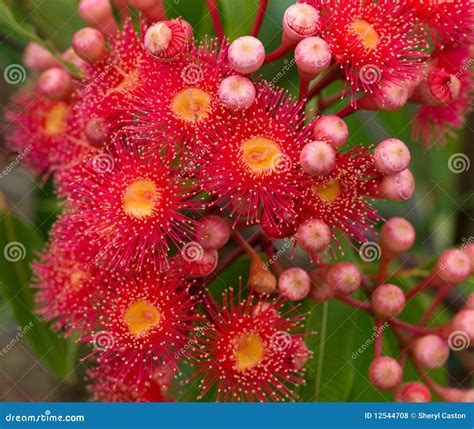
248	351
55	120
191	104
366	33
140	199
328	192
261	154
140	317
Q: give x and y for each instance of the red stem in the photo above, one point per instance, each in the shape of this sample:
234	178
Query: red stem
420	286
378	339
331	75
216	20
414	329
438	299
382	273
277	53
346	110
304	85
262	8
354	302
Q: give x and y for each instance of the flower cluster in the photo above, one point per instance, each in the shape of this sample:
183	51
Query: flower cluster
168	151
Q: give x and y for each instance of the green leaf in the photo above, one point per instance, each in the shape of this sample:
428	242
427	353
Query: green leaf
330	371
18	245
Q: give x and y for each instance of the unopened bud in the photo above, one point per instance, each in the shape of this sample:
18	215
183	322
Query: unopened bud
413	392
333	129
312	56
89	44
294	284
317	158
301	20
344	278
314	235
453	266
385	373
212	232
430	351
237	92
387	301
396	236
55	83
398	186
246	54
391	156
165	40
37	58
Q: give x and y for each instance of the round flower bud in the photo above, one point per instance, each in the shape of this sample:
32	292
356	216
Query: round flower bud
202	265
71	57
387	301
237	92
294	284
165	40
438	89
246	54
464	322
212	232
396	236
469	252
55	83
385	373
344	277
313	235
89	44
320	290
398	187
301	20
430	351
453	266
97	131
333	129
277	226
317	158
98	14
389	97
37	58
312	56
391	156
413	392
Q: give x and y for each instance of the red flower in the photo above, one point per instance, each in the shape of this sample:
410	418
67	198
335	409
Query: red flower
372	40
132	201
249	351
251	162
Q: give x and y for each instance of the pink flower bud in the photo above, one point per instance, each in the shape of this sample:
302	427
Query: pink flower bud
387	301
294	284
98	14
188	30
237	92
202	265
274	226
313	235
89	44
212	232
344	277
388	97
396	236
312	56
453	266
154	10
301	20
464	322
385	373
438	89
398	186
37	58
391	156
412	392
320	290
301	354
97	131
263	307
55	83
333	129
71	57
317	158
430	351
165	40
468	250
246	54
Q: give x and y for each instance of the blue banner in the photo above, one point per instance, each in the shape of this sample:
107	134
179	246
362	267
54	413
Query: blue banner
204	415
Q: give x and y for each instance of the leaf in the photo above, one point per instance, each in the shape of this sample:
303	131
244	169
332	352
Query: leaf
18	245
330	372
